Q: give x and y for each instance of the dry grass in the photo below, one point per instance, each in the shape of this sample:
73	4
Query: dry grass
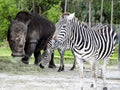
17	67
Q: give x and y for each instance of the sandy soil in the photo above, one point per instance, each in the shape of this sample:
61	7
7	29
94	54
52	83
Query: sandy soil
50	79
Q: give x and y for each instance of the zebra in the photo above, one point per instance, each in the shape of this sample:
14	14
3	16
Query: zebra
63	48
90	45
46	56
61	51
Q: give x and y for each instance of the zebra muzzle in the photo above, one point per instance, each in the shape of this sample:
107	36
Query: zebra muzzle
56	44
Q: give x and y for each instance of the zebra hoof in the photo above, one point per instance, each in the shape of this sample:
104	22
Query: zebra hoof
81	88
72	68
92	85
52	66
60	69
41	66
105	88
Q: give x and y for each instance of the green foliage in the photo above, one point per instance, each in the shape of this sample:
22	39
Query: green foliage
7	8
116	13
52	9
53	13
81	8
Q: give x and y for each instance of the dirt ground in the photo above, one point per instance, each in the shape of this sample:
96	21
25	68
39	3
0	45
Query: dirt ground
50	79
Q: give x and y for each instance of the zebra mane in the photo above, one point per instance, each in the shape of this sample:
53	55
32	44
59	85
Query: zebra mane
65	14
98	26
74	19
84	24
80	23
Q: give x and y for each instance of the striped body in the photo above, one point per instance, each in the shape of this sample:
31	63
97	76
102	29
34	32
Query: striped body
65	46
85	42
90	44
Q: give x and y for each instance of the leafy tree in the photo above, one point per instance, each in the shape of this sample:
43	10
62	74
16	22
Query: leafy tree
80	7
7	8
116	12
48	8
52	9
11	8
53	13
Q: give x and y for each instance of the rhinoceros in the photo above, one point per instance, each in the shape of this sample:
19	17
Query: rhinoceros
29	33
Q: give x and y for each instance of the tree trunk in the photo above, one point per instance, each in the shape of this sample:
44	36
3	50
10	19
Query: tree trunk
90	14
101	15
33	6
65	7
111	13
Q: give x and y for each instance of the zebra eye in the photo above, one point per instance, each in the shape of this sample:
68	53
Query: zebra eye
64	26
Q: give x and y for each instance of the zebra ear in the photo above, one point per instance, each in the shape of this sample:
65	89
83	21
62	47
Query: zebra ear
71	16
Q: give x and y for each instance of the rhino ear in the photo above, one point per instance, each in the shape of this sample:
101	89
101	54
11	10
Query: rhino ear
71	16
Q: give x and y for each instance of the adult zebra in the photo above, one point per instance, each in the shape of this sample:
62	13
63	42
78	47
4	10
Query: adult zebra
91	45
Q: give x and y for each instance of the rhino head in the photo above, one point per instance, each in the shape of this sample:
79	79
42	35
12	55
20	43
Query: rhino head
17	37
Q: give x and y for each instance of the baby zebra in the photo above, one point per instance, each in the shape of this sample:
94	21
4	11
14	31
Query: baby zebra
50	49
65	46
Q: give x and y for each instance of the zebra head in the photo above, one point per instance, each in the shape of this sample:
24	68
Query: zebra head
46	57
63	28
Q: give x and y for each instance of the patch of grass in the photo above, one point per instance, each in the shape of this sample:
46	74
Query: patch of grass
5	51
17	67
68	57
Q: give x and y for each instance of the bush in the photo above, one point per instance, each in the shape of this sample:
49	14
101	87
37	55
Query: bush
7	8
53	13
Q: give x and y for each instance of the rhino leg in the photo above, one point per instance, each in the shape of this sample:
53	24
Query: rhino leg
37	56
51	63
28	52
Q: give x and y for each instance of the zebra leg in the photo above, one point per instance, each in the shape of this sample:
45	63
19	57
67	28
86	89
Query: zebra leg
81	73
37	56
61	68
51	63
106	60
74	64
94	73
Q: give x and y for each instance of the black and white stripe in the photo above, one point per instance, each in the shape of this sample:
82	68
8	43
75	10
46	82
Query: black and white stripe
50	49
89	44
98	43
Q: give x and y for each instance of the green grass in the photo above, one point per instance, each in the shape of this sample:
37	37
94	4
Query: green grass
17	67
14	65
6	53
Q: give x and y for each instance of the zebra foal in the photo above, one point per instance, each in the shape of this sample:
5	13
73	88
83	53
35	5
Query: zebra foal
46	57
90	45
65	46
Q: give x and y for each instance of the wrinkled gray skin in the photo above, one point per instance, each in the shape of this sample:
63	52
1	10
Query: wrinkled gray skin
18	37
